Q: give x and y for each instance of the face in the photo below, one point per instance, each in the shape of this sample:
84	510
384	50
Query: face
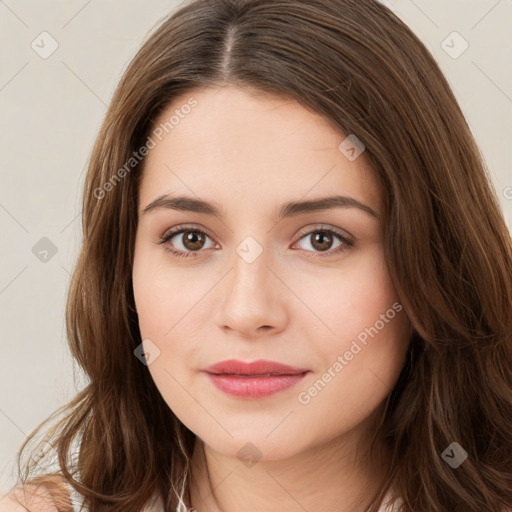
309	289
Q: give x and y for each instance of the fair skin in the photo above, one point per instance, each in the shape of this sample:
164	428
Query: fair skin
30	498
299	302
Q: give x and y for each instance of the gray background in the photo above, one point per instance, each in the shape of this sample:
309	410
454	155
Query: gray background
51	110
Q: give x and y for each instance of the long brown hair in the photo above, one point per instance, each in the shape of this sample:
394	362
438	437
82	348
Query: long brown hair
447	246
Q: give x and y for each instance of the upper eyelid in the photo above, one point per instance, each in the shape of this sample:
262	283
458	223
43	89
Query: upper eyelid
322	227
179	229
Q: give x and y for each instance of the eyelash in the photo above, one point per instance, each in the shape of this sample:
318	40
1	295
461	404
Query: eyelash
169	234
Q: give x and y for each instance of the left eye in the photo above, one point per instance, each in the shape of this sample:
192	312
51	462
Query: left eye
194	240
320	238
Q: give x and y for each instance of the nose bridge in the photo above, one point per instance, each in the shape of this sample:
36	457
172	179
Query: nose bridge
250	262
251	298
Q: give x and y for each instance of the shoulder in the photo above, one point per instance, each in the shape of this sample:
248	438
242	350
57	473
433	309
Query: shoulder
20	501
44	495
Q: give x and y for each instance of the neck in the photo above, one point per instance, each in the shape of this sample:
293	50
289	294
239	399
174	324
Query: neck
332	476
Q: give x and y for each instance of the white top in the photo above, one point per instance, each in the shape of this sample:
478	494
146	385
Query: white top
388	508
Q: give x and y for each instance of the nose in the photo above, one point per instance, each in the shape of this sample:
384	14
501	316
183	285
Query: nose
252	299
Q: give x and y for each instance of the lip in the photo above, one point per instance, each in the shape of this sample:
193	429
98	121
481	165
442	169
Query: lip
254	380
259	367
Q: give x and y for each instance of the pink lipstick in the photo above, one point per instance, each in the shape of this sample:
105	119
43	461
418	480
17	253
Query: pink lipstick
254	380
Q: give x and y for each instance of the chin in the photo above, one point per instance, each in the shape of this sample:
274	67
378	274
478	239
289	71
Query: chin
254	445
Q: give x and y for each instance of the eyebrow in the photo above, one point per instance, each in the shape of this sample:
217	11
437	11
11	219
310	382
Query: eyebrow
290	209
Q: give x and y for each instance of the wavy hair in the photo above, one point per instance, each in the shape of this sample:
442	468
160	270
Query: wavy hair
448	250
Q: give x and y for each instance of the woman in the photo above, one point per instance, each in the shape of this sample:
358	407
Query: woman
294	290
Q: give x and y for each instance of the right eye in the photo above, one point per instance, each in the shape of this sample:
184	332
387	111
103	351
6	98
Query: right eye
192	242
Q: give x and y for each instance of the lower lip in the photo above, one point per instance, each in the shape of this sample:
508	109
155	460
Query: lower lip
254	387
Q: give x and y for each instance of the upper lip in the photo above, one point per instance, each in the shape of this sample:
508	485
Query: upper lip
259	367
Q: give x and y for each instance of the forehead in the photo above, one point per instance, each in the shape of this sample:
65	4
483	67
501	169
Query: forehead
241	145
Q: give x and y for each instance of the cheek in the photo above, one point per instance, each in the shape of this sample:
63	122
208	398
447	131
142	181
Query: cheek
362	362
363	352
168	301
159	292
348	300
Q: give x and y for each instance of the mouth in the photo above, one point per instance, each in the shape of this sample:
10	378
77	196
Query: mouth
254	380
